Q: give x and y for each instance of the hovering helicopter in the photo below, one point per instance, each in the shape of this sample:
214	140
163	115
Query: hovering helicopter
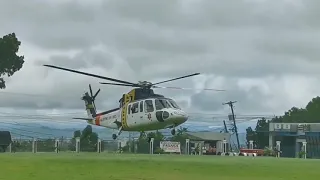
139	110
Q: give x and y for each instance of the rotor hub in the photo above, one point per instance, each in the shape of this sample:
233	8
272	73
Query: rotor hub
144	83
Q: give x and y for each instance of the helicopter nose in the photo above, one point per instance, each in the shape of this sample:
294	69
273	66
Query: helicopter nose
180	116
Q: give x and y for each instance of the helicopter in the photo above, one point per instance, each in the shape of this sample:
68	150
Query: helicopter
139	110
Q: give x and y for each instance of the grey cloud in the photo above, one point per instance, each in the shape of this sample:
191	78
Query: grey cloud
291	43
247	101
162	36
83	59
161	40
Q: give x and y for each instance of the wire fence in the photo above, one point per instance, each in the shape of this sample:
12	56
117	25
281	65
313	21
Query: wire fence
69	145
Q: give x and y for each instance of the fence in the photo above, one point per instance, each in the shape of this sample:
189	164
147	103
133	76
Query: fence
70	145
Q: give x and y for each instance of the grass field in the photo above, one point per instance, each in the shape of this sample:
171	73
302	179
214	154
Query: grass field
69	166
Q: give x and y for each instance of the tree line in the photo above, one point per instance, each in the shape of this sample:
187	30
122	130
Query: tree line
308	114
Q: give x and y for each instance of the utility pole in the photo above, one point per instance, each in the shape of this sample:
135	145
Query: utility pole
230	103
225	127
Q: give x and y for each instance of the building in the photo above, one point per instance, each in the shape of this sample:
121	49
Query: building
292	135
208	140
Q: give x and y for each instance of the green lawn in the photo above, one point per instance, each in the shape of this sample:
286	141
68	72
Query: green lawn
69	166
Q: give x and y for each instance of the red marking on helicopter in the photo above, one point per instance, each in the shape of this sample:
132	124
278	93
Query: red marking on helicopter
98	120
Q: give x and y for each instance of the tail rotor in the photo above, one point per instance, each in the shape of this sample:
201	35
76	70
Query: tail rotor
89	102
93	97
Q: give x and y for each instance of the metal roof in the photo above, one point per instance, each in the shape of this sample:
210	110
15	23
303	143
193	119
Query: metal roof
208	136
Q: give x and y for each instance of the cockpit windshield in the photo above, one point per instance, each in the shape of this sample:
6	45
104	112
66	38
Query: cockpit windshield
162	103
174	104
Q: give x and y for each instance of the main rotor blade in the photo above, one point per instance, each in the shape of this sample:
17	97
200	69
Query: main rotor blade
205	89
176	78
90	90
89	74
85	119
118	84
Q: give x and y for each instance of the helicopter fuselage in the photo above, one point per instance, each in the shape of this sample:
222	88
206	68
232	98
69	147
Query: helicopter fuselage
143	115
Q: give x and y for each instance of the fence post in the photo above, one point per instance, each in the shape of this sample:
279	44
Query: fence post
304	144
119	146
57	146
77	144
10	147
250	144
151	145
99	146
224	148
278	147
188	146
34	145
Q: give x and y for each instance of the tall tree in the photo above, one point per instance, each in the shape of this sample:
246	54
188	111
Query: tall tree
77	133
10	62
262	133
88	139
250	136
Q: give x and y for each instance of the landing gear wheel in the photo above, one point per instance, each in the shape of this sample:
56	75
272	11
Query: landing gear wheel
114	136
173	132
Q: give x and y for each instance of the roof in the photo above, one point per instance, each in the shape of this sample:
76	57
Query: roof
208	136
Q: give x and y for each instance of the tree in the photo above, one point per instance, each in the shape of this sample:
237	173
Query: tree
262	133
259	135
143	144
180	136
77	134
250	135
88	139
10	62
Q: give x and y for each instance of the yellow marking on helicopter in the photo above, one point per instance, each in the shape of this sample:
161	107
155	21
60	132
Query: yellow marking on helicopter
128	98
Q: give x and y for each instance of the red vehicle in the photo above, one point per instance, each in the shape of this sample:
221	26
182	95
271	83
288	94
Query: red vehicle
259	152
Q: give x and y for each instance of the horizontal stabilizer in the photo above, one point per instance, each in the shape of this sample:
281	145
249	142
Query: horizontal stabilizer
85	119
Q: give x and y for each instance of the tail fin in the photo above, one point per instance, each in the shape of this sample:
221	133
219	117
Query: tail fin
89	104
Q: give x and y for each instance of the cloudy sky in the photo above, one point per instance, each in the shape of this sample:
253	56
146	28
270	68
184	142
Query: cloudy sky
263	52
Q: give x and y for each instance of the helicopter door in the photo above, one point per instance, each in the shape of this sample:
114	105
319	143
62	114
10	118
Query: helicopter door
133	114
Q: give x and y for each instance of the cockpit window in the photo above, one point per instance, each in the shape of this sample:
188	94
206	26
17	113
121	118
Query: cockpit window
168	105
162	103
174	104
159	105
148	106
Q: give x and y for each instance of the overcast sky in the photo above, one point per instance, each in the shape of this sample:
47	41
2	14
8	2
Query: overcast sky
264	52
